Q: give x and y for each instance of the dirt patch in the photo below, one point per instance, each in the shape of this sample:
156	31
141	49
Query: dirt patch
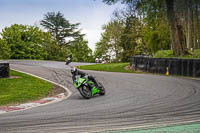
56	90
128	67
14	77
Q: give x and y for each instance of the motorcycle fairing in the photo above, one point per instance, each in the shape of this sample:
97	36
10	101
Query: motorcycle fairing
77	83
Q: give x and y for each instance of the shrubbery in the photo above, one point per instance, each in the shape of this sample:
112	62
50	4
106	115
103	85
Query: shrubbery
169	54
164	54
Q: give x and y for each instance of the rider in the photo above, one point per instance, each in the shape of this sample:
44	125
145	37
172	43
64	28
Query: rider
69	59
76	72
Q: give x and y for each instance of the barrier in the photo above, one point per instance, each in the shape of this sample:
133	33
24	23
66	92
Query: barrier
162	65
184	67
196	68
4	70
174	66
152	65
184	71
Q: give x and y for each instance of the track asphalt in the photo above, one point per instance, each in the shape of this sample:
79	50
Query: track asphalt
131	101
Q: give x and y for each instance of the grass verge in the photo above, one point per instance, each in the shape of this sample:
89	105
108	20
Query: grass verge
184	128
111	67
21	88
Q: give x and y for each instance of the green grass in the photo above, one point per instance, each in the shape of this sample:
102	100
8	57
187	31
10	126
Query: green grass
22	89
169	54
185	128
111	67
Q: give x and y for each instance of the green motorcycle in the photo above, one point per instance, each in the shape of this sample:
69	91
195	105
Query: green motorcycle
87	88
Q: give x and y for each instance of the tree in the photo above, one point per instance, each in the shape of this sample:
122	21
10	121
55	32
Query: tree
154	30
115	1
188	13
101	48
60	28
130	38
177	32
51	47
80	51
109	44
25	42
132	41
4	50
30	42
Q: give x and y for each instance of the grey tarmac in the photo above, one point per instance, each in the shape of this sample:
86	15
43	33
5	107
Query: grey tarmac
131	101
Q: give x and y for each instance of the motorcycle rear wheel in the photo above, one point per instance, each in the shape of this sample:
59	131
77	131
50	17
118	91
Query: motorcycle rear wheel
102	90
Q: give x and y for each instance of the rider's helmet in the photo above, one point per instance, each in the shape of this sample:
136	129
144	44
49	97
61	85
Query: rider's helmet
73	70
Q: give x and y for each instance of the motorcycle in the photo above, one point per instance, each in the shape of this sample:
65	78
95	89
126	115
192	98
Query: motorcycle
68	60
87	88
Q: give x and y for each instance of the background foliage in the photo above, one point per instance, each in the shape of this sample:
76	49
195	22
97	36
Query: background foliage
31	42
142	27
149	26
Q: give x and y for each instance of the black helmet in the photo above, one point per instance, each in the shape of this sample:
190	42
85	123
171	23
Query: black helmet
73	70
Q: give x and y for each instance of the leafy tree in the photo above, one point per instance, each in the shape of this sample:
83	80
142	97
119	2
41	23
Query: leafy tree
115	1
180	18
155	31
109	44
157	39
25	42
4	50
60	28
132	41
102	48
131	38
30	42
122	36
51	47
81	52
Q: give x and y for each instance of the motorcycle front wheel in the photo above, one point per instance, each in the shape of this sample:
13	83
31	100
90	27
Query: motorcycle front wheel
85	92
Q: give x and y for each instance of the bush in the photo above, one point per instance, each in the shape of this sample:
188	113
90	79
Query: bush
169	54
197	53
164	54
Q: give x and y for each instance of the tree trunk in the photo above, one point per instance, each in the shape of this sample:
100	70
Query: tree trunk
176	30
190	25
197	25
